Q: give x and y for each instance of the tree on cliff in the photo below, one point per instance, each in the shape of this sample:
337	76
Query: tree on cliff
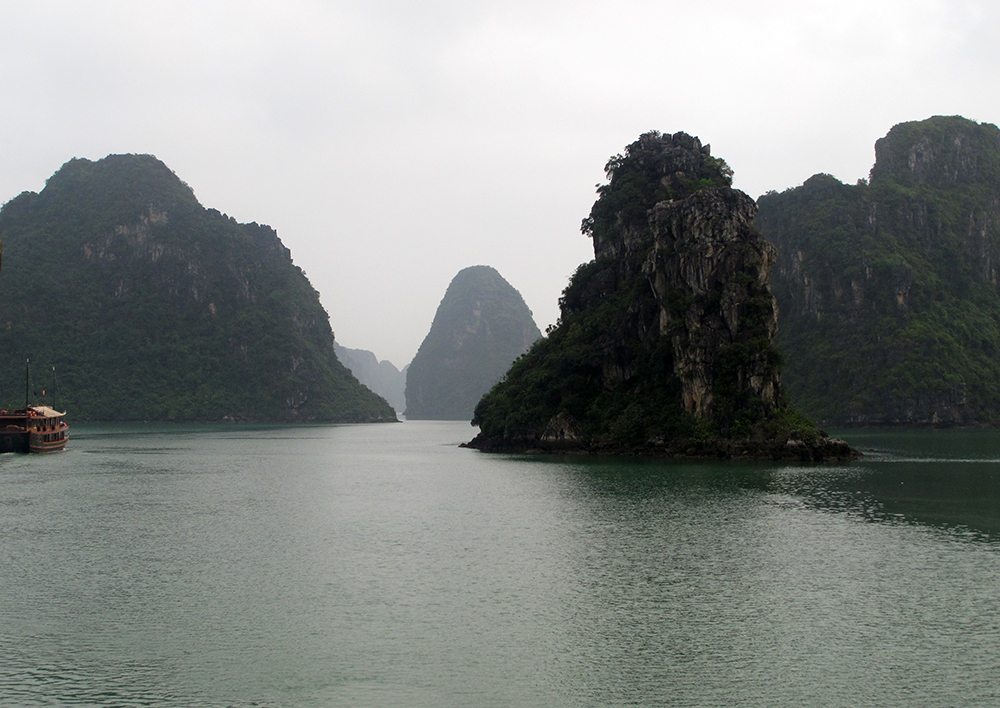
152	307
888	289
480	327
664	343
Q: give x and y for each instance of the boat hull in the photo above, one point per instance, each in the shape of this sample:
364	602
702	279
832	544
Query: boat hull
47	442
14	441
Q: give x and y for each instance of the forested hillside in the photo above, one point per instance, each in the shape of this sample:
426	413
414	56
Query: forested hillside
151	307
888	289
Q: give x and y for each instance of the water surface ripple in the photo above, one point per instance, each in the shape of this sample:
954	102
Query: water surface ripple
238	566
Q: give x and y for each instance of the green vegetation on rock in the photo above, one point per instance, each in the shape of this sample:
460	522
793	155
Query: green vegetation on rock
664	343
480	327
151	307
888	289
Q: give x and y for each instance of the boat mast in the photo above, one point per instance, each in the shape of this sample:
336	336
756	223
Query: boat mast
27	374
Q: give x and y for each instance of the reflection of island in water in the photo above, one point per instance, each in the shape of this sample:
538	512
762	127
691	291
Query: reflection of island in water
948	479
942	478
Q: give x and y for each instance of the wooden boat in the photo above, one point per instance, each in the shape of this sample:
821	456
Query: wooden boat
32	429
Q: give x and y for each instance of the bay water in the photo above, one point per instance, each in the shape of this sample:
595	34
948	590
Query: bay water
382	565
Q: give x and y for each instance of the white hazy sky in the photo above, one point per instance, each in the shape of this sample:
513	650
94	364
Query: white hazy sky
392	143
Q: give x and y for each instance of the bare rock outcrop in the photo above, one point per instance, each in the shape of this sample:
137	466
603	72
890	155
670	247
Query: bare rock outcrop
705	248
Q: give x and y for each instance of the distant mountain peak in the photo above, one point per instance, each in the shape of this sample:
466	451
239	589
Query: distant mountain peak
382	377
481	325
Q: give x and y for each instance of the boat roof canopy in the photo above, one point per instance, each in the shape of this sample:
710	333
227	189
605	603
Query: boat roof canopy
47	412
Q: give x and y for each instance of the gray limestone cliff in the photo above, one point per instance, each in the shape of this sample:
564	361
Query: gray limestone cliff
706	252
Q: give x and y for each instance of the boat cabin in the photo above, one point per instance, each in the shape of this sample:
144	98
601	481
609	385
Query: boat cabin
32	429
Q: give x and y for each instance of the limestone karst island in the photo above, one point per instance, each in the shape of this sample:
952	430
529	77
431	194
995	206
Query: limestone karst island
481	326
706	325
665	340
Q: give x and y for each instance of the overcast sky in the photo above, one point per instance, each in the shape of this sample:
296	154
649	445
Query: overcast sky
392	143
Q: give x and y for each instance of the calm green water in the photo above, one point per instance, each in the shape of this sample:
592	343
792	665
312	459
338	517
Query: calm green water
385	566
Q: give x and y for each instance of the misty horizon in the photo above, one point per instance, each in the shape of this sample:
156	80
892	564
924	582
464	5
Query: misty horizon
390	146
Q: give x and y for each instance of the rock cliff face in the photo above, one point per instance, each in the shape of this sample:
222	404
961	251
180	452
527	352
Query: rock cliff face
664	343
888	290
151	307
706	252
480	327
